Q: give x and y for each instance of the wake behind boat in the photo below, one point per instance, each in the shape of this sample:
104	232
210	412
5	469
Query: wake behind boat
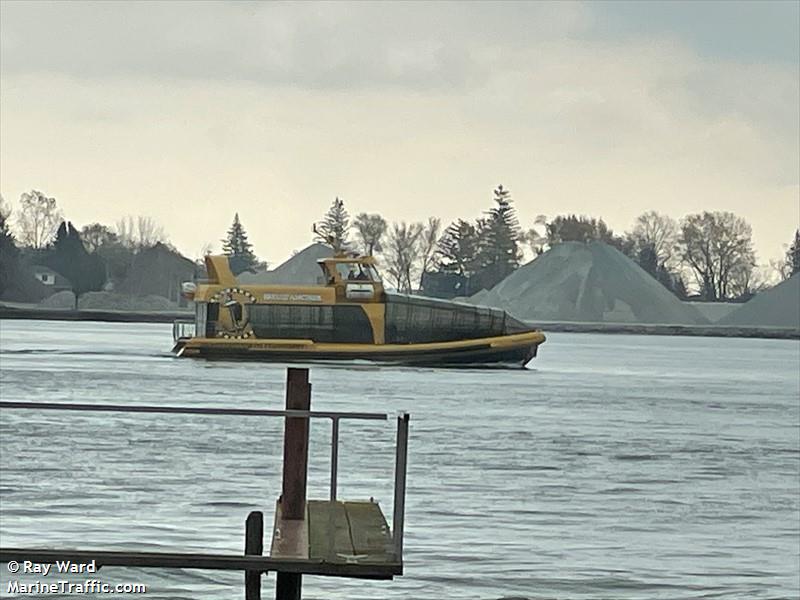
349	316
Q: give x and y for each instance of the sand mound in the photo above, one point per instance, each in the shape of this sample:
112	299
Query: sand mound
776	307
62	299
587	283
714	311
301	269
108	301
112	301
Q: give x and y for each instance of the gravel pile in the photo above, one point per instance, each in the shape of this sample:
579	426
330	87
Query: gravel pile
301	269
109	301
62	299
775	307
592	283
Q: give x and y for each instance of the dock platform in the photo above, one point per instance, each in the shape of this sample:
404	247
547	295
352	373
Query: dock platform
340	538
336	536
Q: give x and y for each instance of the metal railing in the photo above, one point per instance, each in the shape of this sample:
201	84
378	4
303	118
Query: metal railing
183	329
401	450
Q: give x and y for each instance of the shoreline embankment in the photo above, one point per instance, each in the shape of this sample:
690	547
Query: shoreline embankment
119	316
87	314
779	333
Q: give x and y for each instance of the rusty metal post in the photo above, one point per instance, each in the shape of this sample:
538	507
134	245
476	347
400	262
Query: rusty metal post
295	469
253	544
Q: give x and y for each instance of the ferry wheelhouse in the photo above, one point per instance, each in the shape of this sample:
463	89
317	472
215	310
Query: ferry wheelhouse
347	316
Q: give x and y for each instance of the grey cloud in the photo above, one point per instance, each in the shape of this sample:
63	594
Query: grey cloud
314	45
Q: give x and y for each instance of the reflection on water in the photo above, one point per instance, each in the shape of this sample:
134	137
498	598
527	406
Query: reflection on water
617	467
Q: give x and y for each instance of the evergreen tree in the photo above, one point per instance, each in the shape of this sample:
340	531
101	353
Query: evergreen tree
647	258
9	253
574	228
456	261
499	234
334	227
793	255
458	248
238	249
68	256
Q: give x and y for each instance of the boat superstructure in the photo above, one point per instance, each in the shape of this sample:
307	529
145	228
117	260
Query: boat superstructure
347	316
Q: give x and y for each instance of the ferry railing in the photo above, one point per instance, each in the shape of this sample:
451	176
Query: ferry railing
248	562
183	329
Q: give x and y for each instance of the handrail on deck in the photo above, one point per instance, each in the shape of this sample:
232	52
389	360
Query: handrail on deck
193	410
335	416
183	329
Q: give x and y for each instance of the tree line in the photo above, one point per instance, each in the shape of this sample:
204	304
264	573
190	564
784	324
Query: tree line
96	257
711	252
93	258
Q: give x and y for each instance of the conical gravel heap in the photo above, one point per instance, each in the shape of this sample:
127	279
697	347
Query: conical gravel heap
300	269
591	282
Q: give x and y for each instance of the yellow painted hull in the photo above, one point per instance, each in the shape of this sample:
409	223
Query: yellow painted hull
513	349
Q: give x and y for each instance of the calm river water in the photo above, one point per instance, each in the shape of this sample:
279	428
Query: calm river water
618	466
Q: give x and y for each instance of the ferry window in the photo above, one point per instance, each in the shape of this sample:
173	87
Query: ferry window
277	317
356	272
347	271
371	272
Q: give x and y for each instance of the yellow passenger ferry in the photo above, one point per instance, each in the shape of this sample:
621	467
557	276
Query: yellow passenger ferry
348	316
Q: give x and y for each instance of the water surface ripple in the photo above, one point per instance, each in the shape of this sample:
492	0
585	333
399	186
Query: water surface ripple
620	466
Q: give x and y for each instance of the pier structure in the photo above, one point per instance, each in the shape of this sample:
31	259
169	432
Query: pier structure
327	537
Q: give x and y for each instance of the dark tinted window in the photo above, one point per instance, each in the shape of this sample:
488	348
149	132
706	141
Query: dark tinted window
319	323
419	320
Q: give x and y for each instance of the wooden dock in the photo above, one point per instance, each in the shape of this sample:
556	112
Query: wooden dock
337	533
328	537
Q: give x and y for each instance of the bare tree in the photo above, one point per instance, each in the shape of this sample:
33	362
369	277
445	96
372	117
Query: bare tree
149	232
370	229
139	232
37	220
428	240
718	248
124	229
5	209
402	254
779	270
657	232
762	277
536	236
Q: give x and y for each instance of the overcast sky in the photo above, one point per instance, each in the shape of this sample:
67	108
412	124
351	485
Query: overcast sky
187	112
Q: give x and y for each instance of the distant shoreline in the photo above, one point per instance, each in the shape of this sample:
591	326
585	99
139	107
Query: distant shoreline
779	333
119	316
83	314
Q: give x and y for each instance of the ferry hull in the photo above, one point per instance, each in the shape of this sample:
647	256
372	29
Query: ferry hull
510	350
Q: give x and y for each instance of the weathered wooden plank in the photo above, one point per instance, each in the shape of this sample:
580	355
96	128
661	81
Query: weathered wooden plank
369	531
295	445
328	531
289	537
288	586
